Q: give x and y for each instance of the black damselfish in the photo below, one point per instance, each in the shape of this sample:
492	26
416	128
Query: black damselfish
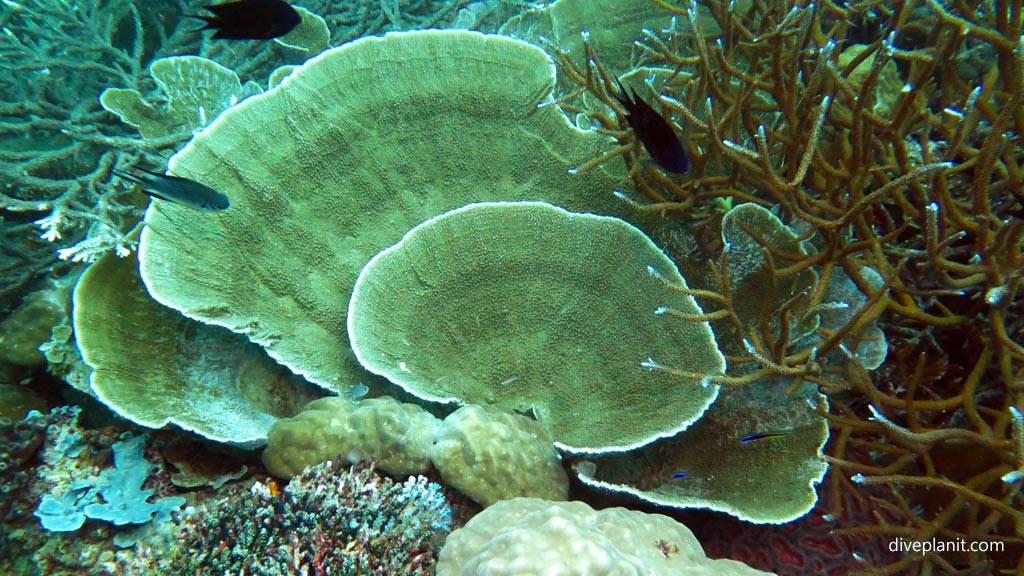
250	19
178	190
654	132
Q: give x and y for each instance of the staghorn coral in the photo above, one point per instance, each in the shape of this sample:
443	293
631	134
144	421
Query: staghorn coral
57	145
922	188
345	22
351	20
724	473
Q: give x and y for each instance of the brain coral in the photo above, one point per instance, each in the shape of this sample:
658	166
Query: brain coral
338	161
531	537
531	307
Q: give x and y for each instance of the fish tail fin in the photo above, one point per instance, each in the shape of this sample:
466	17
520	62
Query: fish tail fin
624	99
208	21
128	176
146	186
636	97
144	171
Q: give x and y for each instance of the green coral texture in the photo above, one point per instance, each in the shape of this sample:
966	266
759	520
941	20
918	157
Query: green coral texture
155	367
359	145
193	92
406	206
491	455
763	481
467	308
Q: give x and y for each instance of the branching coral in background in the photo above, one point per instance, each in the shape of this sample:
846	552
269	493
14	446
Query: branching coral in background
346	21
57	146
791	105
351	20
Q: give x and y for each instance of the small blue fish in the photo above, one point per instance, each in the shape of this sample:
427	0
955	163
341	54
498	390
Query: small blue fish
178	190
679	475
654	132
765	436
358	391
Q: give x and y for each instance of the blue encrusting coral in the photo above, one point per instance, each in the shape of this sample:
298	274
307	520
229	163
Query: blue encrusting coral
114	495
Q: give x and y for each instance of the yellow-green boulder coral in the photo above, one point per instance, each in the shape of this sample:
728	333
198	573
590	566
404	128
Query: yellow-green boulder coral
491	455
398	435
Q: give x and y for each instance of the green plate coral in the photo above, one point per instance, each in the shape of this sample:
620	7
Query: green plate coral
342	158
769	480
156	367
529	306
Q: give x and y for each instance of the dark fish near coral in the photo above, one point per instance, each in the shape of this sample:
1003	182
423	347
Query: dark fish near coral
765	436
178	190
654	132
679	475
250	19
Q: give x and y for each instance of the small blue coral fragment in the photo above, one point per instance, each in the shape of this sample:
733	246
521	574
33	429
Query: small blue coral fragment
115	495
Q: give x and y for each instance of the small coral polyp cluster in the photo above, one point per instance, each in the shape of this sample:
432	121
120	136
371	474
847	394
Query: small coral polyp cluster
334	518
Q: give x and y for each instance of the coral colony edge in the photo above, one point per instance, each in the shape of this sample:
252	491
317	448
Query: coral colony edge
503	287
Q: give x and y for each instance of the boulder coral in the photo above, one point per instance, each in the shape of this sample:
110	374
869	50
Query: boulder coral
397	435
527	536
491	455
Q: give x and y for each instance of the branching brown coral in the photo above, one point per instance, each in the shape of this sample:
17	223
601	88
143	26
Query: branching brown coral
901	156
